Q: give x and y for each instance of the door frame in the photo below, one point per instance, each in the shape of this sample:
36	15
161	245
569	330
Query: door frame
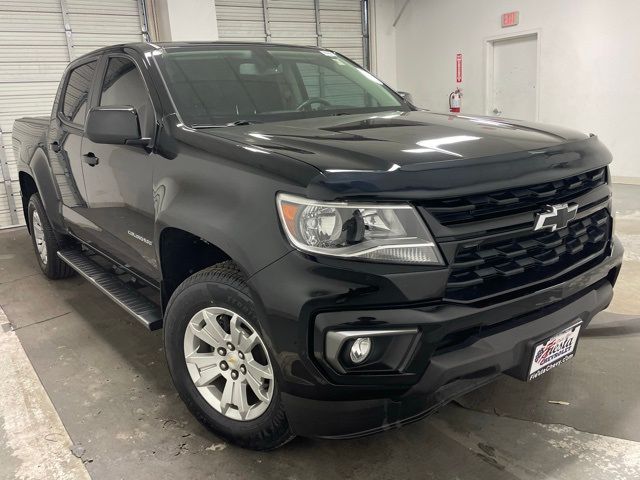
489	43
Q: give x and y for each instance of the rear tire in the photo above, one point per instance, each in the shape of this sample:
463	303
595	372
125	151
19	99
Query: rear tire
212	338
45	243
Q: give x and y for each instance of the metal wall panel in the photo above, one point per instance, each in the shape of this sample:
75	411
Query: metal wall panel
293	21
342	29
99	24
35	47
241	20
33	55
335	24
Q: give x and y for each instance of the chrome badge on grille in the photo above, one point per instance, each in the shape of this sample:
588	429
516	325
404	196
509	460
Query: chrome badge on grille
555	216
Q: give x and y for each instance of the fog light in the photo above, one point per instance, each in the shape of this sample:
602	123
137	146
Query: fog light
360	349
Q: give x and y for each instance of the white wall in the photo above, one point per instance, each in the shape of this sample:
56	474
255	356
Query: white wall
382	40
184	20
589	61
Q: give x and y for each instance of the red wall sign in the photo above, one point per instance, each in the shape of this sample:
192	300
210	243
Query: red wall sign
458	68
510	19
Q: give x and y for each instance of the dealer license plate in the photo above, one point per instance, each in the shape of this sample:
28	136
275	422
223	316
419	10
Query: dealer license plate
554	351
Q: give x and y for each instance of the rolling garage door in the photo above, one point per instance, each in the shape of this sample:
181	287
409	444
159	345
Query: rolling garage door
336	24
37	40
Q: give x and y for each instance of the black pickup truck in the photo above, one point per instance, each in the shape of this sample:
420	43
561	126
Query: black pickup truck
325	258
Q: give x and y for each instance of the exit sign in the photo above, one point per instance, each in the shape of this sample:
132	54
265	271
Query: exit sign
510	19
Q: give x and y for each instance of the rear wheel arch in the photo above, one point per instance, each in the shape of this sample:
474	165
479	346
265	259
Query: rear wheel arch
27	188
38	175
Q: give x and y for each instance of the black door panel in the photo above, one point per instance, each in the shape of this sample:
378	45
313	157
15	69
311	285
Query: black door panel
65	147
118	178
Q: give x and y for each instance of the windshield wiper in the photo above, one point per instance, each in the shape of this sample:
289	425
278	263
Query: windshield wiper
237	123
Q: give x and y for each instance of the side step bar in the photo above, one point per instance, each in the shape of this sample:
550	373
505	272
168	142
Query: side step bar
143	309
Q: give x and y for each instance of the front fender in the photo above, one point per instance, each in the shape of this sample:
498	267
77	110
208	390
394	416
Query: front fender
227	198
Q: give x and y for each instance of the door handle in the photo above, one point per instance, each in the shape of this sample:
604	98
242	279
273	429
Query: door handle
55	146
90	159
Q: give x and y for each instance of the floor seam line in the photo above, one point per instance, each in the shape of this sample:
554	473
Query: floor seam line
18	279
41	321
547	424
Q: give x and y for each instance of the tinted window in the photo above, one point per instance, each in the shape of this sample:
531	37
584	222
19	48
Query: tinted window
219	85
322	82
76	95
123	86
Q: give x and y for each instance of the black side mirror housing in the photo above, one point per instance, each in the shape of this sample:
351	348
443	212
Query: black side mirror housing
114	125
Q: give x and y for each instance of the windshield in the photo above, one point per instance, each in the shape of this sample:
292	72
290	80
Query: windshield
223	85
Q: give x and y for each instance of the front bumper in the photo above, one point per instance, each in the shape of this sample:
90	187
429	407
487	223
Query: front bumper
480	342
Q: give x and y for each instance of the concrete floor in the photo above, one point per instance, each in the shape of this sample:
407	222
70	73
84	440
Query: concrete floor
107	379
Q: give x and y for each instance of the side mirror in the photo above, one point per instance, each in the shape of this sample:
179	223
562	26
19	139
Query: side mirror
406	96
114	125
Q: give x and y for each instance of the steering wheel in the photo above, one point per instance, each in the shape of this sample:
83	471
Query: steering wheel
310	101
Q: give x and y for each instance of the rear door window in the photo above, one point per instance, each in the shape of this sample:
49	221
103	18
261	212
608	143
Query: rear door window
76	95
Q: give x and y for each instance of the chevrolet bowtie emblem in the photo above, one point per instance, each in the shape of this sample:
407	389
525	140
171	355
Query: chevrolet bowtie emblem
555	216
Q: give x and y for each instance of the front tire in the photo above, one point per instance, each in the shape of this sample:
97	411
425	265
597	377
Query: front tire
219	361
45	243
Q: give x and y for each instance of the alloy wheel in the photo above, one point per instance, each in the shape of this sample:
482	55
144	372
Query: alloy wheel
38	235
228	363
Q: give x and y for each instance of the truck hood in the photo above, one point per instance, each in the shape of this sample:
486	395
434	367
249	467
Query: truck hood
395	153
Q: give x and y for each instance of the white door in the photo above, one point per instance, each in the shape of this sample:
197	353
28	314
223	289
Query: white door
513	68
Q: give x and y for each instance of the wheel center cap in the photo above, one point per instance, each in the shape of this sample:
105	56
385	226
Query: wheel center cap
233	359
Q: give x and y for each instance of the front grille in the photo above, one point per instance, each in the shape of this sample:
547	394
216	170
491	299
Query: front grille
472	208
485	269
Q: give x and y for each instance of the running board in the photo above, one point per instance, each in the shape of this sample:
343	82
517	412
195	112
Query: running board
142	308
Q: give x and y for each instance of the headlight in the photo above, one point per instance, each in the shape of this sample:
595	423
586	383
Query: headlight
384	233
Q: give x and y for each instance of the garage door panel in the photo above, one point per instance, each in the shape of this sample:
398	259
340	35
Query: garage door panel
86	43
297	29
6	142
294	22
28	22
340	5
292	15
242	30
20	106
342	30
31	6
21	89
349	47
239	13
337	43
31	72
241	20
31	53
13	175
292	4
94	24
11	159
110	7
238	3
34	53
346	16
28	39
307	42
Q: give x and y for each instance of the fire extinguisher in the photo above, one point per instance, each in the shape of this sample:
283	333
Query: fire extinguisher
455	100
